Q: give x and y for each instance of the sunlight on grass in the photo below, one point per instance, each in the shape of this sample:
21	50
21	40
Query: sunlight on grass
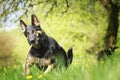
39	76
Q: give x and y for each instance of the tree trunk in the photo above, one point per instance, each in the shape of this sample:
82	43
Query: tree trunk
110	39
111	35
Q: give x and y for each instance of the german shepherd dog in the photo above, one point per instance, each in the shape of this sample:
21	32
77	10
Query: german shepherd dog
106	52
44	52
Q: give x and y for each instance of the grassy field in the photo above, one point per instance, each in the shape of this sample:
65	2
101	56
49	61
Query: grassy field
88	69
72	30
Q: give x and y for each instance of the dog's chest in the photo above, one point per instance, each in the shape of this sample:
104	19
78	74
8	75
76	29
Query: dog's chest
42	61
37	52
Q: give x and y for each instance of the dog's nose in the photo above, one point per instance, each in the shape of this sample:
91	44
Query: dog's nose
32	41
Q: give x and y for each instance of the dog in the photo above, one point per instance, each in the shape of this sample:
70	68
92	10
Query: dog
105	52
44	51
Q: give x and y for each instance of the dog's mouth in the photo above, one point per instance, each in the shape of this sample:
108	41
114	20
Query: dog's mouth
35	43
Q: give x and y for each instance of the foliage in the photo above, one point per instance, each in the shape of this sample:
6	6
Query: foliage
82	27
12	11
87	69
6	48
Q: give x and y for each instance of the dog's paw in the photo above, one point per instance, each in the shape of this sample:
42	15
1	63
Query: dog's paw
26	69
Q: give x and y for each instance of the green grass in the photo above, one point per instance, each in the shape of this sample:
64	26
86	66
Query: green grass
76	30
84	66
80	69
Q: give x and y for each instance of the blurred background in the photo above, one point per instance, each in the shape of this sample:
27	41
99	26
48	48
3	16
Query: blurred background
81	24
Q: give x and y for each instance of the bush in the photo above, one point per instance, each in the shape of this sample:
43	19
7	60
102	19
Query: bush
6	47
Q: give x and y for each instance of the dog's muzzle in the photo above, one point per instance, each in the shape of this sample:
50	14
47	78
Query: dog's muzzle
35	43
32	41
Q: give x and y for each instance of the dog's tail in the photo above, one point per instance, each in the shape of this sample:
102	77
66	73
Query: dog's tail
69	56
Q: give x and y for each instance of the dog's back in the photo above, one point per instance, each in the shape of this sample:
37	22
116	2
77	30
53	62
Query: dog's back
51	49
45	51
106	52
102	54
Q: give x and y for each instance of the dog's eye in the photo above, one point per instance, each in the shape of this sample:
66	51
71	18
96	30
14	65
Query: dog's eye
28	33
39	33
32	31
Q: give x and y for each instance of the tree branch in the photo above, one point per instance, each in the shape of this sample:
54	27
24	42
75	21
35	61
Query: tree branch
21	16
67	6
40	2
30	5
107	3
51	8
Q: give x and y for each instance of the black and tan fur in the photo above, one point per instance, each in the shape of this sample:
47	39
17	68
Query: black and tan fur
106	52
44	52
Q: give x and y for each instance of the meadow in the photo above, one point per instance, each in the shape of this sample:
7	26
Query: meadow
72	30
86	69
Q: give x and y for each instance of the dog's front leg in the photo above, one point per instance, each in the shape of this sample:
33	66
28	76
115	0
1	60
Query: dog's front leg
28	63
26	68
51	66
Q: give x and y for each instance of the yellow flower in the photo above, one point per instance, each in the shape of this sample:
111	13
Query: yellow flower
40	76
29	77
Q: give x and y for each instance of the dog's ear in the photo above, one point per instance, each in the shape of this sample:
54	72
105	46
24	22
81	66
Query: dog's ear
116	47
23	25
35	20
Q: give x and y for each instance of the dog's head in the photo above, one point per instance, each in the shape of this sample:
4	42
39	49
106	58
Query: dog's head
33	33
112	49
